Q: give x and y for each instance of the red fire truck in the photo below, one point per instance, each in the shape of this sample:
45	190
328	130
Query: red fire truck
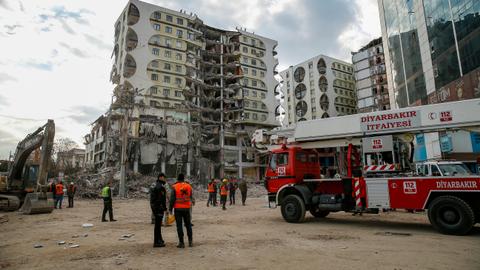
373	169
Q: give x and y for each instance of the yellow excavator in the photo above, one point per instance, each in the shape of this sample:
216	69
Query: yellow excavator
24	187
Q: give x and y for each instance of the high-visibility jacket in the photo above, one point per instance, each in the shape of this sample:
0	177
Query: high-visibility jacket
211	188
223	190
59	189
183	195
105	192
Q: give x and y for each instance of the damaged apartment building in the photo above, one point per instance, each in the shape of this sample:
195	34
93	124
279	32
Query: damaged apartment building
187	97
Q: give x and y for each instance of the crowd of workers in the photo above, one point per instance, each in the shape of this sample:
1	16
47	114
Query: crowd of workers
165	200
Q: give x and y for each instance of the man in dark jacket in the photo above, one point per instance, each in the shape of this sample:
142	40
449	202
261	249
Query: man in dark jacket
243	190
71	190
158	203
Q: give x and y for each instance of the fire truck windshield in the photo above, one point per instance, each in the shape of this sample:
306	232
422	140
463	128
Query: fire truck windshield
454	169
278	159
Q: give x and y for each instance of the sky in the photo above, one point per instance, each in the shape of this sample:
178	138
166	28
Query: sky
56	55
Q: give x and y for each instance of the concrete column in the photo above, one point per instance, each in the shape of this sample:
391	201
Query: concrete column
240	162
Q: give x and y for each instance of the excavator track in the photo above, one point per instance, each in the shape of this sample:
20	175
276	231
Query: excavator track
9	202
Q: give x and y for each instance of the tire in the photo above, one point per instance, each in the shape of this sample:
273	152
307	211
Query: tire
319	213
293	209
451	215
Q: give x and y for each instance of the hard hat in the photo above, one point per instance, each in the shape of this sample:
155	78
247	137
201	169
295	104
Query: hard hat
71	183
225	180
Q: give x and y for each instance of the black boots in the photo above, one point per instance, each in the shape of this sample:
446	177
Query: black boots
181	245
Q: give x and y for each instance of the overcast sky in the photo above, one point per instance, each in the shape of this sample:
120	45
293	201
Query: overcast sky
56	55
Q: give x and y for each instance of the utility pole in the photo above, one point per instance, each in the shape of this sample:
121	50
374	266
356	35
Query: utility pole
222	131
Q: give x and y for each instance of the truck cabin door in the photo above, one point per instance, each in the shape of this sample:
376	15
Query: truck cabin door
279	172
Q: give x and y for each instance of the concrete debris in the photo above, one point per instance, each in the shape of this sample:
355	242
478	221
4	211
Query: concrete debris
38	246
128	235
87	225
61	243
74	246
3	219
75	236
85	235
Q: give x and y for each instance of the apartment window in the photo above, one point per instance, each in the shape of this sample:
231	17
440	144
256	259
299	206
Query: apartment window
153	103
166	104
254	105
154	77
262	74
190	36
254	62
264	117
245	60
254	83
168	29
245	49
179	44
179	21
245	92
262	95
254	93
155	51
247	115
253	51
157	15
262	64
245	81
264	106
178	81
254	42
169	18
178	68
254	116
166	92
247	103
178	93
168	42
156	26
245	39
153	90
178	56
168	54
166	79
254	72
245	70
179	33
310	65
154	64
167	66
177	106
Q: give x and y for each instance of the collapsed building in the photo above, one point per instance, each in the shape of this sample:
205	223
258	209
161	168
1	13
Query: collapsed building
187	97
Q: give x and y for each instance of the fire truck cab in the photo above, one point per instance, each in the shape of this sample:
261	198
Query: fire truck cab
442	168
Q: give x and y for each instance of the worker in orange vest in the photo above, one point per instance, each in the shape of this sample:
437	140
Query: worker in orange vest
58	195
211	193
224	193
181	200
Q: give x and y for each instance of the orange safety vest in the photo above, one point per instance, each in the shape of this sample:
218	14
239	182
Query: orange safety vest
59	189
183	195
211	187
223	190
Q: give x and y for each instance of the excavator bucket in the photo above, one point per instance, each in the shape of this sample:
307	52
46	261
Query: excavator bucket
37	203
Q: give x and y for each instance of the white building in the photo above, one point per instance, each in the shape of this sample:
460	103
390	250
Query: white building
319	87
172	69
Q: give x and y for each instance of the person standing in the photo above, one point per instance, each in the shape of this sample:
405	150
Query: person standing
107	202
232	187
215	191
71	190
158	204
59	195
181	201
224	193
51	188
243	190
211	193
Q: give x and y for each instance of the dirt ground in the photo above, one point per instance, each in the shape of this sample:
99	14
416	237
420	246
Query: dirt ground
250	237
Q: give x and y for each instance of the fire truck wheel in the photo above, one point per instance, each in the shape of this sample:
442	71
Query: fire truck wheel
451	215
319	213
293	209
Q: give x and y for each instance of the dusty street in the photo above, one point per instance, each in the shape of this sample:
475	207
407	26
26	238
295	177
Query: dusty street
250	237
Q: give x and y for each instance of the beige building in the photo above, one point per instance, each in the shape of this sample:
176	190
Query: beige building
71	159
319	87
172	70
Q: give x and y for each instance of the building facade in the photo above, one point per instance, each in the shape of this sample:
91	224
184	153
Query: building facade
319	87
95	143
371	78
71	159
190	94
432	52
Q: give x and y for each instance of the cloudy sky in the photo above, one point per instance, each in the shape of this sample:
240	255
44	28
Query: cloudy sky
56	55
